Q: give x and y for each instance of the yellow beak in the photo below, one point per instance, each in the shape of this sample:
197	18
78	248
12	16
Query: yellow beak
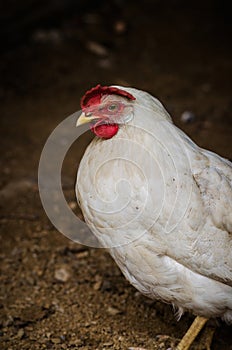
83	119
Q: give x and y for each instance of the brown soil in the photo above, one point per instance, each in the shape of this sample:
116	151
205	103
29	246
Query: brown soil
56	294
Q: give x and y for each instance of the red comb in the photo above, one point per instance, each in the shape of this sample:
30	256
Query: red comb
94	95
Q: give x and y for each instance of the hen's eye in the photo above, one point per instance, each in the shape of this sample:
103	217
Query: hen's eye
112	107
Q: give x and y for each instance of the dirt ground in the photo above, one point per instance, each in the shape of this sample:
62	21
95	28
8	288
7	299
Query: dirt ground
54	293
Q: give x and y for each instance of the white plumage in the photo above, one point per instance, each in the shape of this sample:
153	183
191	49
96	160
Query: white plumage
163	207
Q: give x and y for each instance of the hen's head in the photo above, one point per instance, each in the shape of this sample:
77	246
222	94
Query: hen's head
105	108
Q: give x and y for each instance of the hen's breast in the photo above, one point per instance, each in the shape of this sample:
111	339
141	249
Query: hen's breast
122	186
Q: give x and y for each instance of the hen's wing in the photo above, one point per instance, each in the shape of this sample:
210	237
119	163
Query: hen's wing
212	247
215	185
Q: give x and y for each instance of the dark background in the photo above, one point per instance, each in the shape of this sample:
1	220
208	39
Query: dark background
55	294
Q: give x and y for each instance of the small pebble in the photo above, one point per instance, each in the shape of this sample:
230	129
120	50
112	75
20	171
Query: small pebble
113	311
120	27
109	343
72	205
187	117
75	342
97	285
55	340
82	254
20	333
62	275
96	48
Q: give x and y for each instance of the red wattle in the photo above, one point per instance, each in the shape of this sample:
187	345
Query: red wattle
105	131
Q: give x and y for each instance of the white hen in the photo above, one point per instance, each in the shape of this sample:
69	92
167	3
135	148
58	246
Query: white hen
158	202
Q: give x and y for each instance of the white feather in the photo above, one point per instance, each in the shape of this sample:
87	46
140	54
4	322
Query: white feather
163	207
